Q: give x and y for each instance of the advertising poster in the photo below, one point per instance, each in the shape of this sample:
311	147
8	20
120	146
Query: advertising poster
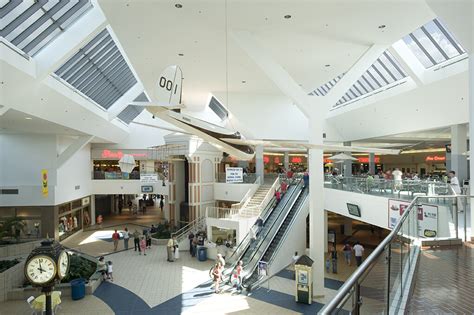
262	268
44	182
396	208
428	221
234	175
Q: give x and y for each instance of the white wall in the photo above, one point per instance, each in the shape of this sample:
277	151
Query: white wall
118	186
74	177
22	157
233	192
373	209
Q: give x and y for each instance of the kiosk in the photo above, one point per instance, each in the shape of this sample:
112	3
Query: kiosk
304	280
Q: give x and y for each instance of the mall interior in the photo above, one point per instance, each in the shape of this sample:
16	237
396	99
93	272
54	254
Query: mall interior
265	157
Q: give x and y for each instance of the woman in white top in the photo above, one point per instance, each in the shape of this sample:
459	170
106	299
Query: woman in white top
126	237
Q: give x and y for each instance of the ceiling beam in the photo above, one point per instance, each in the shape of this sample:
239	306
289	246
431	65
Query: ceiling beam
74	147
275	72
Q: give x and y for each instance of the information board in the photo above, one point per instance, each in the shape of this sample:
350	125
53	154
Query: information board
234	175
149	178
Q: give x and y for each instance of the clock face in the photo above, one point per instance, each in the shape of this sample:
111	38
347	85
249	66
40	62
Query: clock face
63	264
40	269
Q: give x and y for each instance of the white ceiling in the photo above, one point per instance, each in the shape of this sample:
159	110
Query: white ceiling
334	32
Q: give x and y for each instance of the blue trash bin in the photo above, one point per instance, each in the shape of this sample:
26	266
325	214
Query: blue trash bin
202	253
78	288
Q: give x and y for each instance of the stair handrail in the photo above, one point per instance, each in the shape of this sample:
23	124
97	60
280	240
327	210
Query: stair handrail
245	200
345	289
268	196
188	227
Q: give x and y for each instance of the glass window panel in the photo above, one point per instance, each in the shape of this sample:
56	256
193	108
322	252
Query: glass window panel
441	39
393	65
386	76
389	66
428	46
376	78
23	26
420	55
365	85
362	87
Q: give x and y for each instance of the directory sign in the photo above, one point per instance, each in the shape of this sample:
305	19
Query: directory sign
234	175
149	178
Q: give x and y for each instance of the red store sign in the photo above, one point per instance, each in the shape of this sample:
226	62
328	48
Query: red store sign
107	154
435	158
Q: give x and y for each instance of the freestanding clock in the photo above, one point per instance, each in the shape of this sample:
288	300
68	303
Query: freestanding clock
44	266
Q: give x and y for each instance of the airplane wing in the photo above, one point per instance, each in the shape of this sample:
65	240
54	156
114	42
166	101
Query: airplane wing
306	145
159	127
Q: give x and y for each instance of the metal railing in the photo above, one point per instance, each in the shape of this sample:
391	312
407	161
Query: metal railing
197	224
120	175
406	189
221	213
381	283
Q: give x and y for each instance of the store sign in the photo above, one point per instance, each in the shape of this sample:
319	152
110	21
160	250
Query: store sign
149	178
44	183
435	158
366	160
296	159
147	189
234	175
266	159
276	160
108	154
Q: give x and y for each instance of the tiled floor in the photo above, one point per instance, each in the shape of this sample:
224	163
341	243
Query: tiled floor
444	282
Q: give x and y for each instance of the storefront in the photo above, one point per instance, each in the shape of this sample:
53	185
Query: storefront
73	216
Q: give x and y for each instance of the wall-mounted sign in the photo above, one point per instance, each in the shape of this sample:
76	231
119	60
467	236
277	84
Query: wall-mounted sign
427	221
296	159
86	201
366	160
266	159
435	158
147	189
353	209
395	211
149	178
234	175
44	182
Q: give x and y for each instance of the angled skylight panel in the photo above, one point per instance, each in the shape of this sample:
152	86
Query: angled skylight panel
99	71
384	71
218	108
30	25
433	44
326	87
131	112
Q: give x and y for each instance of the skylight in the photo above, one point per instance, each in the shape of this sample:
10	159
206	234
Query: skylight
433	44
218	108
324	89
31	24
131	112
99	71
384	71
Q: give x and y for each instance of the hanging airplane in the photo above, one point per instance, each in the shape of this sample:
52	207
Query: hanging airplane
168	92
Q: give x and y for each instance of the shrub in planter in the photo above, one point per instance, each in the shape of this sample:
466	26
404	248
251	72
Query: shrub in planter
80	267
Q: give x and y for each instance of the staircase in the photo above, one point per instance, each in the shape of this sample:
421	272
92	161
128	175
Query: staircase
253	207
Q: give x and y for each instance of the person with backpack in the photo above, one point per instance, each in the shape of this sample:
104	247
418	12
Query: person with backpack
347	250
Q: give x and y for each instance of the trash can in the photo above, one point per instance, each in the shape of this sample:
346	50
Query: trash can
78	288
202	253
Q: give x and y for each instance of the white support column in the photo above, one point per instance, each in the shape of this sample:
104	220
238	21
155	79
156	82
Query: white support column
471	136
92	209
259	167
317	216
347	172
286	161
458	151
372	163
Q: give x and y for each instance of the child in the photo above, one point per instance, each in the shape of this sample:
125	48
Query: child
143	245
110	271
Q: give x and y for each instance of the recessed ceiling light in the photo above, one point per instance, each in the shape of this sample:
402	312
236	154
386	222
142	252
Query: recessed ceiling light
181	55
243	81
28	118
328	65
287	16
178	5
382	26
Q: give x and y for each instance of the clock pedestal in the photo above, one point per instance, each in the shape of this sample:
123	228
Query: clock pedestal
48	306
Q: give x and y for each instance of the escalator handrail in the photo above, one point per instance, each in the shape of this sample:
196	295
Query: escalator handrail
275	231
285	233
290	193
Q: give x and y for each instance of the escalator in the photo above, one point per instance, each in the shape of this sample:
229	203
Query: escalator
253	278
245	250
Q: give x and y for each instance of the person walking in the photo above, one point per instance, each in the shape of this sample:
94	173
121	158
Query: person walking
143	245
169	249
236	278
148	239
454	182
115	238
334	259
358	251
126	237
136	240
162	204
347	250
194	246
110	271
216	276
190	238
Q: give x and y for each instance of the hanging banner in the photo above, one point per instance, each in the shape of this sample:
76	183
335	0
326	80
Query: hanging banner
395	211
234	175
428	221
44	182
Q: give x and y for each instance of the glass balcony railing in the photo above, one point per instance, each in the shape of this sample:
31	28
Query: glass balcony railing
404	189
381	284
